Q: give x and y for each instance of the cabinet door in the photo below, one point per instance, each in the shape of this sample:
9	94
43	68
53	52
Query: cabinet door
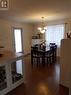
3	79
17	70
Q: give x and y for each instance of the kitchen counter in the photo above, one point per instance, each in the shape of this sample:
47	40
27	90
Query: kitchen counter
8	56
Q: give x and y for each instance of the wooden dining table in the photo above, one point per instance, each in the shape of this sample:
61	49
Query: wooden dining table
42	51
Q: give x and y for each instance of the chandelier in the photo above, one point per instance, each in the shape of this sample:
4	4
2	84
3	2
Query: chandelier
43	28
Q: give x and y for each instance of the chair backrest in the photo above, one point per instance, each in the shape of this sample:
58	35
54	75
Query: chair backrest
34	48
53	47
52	44
36	51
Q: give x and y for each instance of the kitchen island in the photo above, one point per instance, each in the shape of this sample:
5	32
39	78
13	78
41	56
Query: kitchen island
11	71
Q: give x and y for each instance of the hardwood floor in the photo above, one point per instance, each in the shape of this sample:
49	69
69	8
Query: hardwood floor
40	80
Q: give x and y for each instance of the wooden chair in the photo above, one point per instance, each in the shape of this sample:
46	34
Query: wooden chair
54	52
35	56
49	57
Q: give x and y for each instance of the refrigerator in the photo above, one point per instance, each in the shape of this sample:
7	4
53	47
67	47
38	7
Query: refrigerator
65	63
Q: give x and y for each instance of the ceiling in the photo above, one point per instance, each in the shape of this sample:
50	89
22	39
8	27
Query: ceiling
33	10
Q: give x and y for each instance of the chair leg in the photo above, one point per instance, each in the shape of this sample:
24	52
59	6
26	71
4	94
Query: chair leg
43	61
32	61
38	61
47	60
50	60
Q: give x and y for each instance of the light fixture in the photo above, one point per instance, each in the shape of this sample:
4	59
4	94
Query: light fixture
43	28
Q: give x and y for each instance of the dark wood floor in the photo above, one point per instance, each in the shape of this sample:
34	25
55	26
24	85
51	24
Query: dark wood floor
40	80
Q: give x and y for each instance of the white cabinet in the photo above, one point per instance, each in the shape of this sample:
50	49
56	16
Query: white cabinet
65	63
11	71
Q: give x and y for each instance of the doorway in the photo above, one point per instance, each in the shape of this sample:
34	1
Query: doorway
18	40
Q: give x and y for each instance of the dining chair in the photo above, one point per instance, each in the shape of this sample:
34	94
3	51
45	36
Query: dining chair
49	57
36	56
54	52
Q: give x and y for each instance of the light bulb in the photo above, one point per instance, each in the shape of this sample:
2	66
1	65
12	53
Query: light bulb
42	31
39	28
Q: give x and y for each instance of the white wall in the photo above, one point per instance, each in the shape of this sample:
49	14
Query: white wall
27	37
6	35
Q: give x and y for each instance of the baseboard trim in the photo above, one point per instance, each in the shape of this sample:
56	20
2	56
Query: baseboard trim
27	54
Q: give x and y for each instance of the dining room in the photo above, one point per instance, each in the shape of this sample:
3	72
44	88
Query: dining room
45	65
39	32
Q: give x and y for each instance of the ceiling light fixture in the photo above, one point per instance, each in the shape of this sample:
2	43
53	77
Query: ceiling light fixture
43	28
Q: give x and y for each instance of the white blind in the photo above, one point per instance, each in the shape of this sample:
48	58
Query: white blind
54	34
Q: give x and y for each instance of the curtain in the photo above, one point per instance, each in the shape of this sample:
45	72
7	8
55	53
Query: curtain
54	34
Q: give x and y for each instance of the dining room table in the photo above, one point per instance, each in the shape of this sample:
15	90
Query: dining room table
43	51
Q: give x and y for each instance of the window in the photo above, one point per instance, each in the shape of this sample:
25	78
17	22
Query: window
54	34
